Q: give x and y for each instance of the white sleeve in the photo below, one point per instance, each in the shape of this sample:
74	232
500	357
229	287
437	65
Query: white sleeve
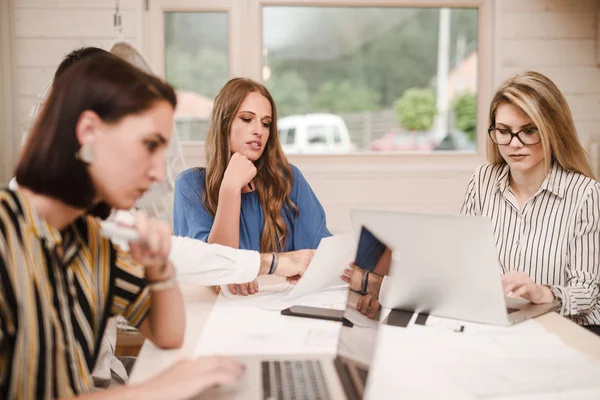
212	264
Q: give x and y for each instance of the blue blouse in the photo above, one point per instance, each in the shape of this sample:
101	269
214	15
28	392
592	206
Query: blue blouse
304	232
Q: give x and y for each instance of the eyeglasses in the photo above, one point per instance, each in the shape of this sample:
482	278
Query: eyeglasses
503	136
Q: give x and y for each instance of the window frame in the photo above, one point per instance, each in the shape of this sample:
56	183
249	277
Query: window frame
154	30
246	59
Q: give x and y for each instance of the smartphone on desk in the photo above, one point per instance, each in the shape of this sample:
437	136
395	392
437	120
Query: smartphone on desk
317	313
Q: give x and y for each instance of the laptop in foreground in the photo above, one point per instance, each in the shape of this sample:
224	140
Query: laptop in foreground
445	265
342	375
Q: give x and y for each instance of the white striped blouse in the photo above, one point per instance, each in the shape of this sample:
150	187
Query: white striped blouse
554	238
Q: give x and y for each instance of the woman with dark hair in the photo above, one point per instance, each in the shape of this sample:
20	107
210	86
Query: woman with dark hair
248	196
97	144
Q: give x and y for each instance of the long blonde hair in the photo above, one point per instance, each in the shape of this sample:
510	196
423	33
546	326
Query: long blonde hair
543	102
274	179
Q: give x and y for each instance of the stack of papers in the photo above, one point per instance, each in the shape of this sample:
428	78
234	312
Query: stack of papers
251	325
523	361
237	329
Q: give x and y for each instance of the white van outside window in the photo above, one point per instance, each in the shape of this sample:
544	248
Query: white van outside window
314	133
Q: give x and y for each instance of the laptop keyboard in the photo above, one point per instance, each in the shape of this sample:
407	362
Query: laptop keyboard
293	380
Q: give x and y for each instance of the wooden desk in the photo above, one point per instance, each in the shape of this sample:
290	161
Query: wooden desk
199	302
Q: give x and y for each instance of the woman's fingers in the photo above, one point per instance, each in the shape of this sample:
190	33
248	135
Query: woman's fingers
233	288
253	287
375	306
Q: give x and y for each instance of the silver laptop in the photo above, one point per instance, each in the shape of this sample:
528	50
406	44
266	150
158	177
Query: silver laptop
341	376
445	265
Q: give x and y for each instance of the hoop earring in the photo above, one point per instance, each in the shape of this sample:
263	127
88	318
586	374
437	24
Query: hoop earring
85	154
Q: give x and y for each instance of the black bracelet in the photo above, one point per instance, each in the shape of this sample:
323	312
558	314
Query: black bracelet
273	264
365	282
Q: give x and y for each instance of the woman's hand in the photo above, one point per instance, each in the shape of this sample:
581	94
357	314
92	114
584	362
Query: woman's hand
521	285
368	305
153	248
188	378
244	288
293	264
353	276
240	171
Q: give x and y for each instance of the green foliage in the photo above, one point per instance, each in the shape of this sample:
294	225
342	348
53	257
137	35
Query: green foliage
204	73
196	52
337	97
290	92
465	113
387	63
416	109
365	65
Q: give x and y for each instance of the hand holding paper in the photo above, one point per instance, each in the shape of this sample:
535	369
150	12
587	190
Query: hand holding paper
322	273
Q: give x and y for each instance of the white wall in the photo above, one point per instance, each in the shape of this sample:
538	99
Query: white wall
556	37
46	30
41	33
6	98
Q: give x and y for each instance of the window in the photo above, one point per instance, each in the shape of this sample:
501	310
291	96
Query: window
291	136
316	134
354	62
196	64
401	79
337	136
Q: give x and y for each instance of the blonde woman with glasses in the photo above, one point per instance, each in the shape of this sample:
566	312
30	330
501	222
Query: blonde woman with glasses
540	193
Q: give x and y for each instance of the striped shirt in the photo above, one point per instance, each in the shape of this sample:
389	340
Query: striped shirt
554	238
53	310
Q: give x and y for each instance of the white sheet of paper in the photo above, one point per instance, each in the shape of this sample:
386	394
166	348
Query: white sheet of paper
331	258
570	394
322	275
482	364
234	328
393	373
530	326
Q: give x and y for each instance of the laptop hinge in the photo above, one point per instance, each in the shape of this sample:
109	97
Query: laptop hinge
346	379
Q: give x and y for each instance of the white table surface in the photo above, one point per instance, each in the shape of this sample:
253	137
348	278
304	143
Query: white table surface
199	302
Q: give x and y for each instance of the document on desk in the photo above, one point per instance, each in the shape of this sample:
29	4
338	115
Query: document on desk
490	365
526	327
234	328
322	275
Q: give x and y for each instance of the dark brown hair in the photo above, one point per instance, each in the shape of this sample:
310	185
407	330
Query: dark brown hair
102	83
75	56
